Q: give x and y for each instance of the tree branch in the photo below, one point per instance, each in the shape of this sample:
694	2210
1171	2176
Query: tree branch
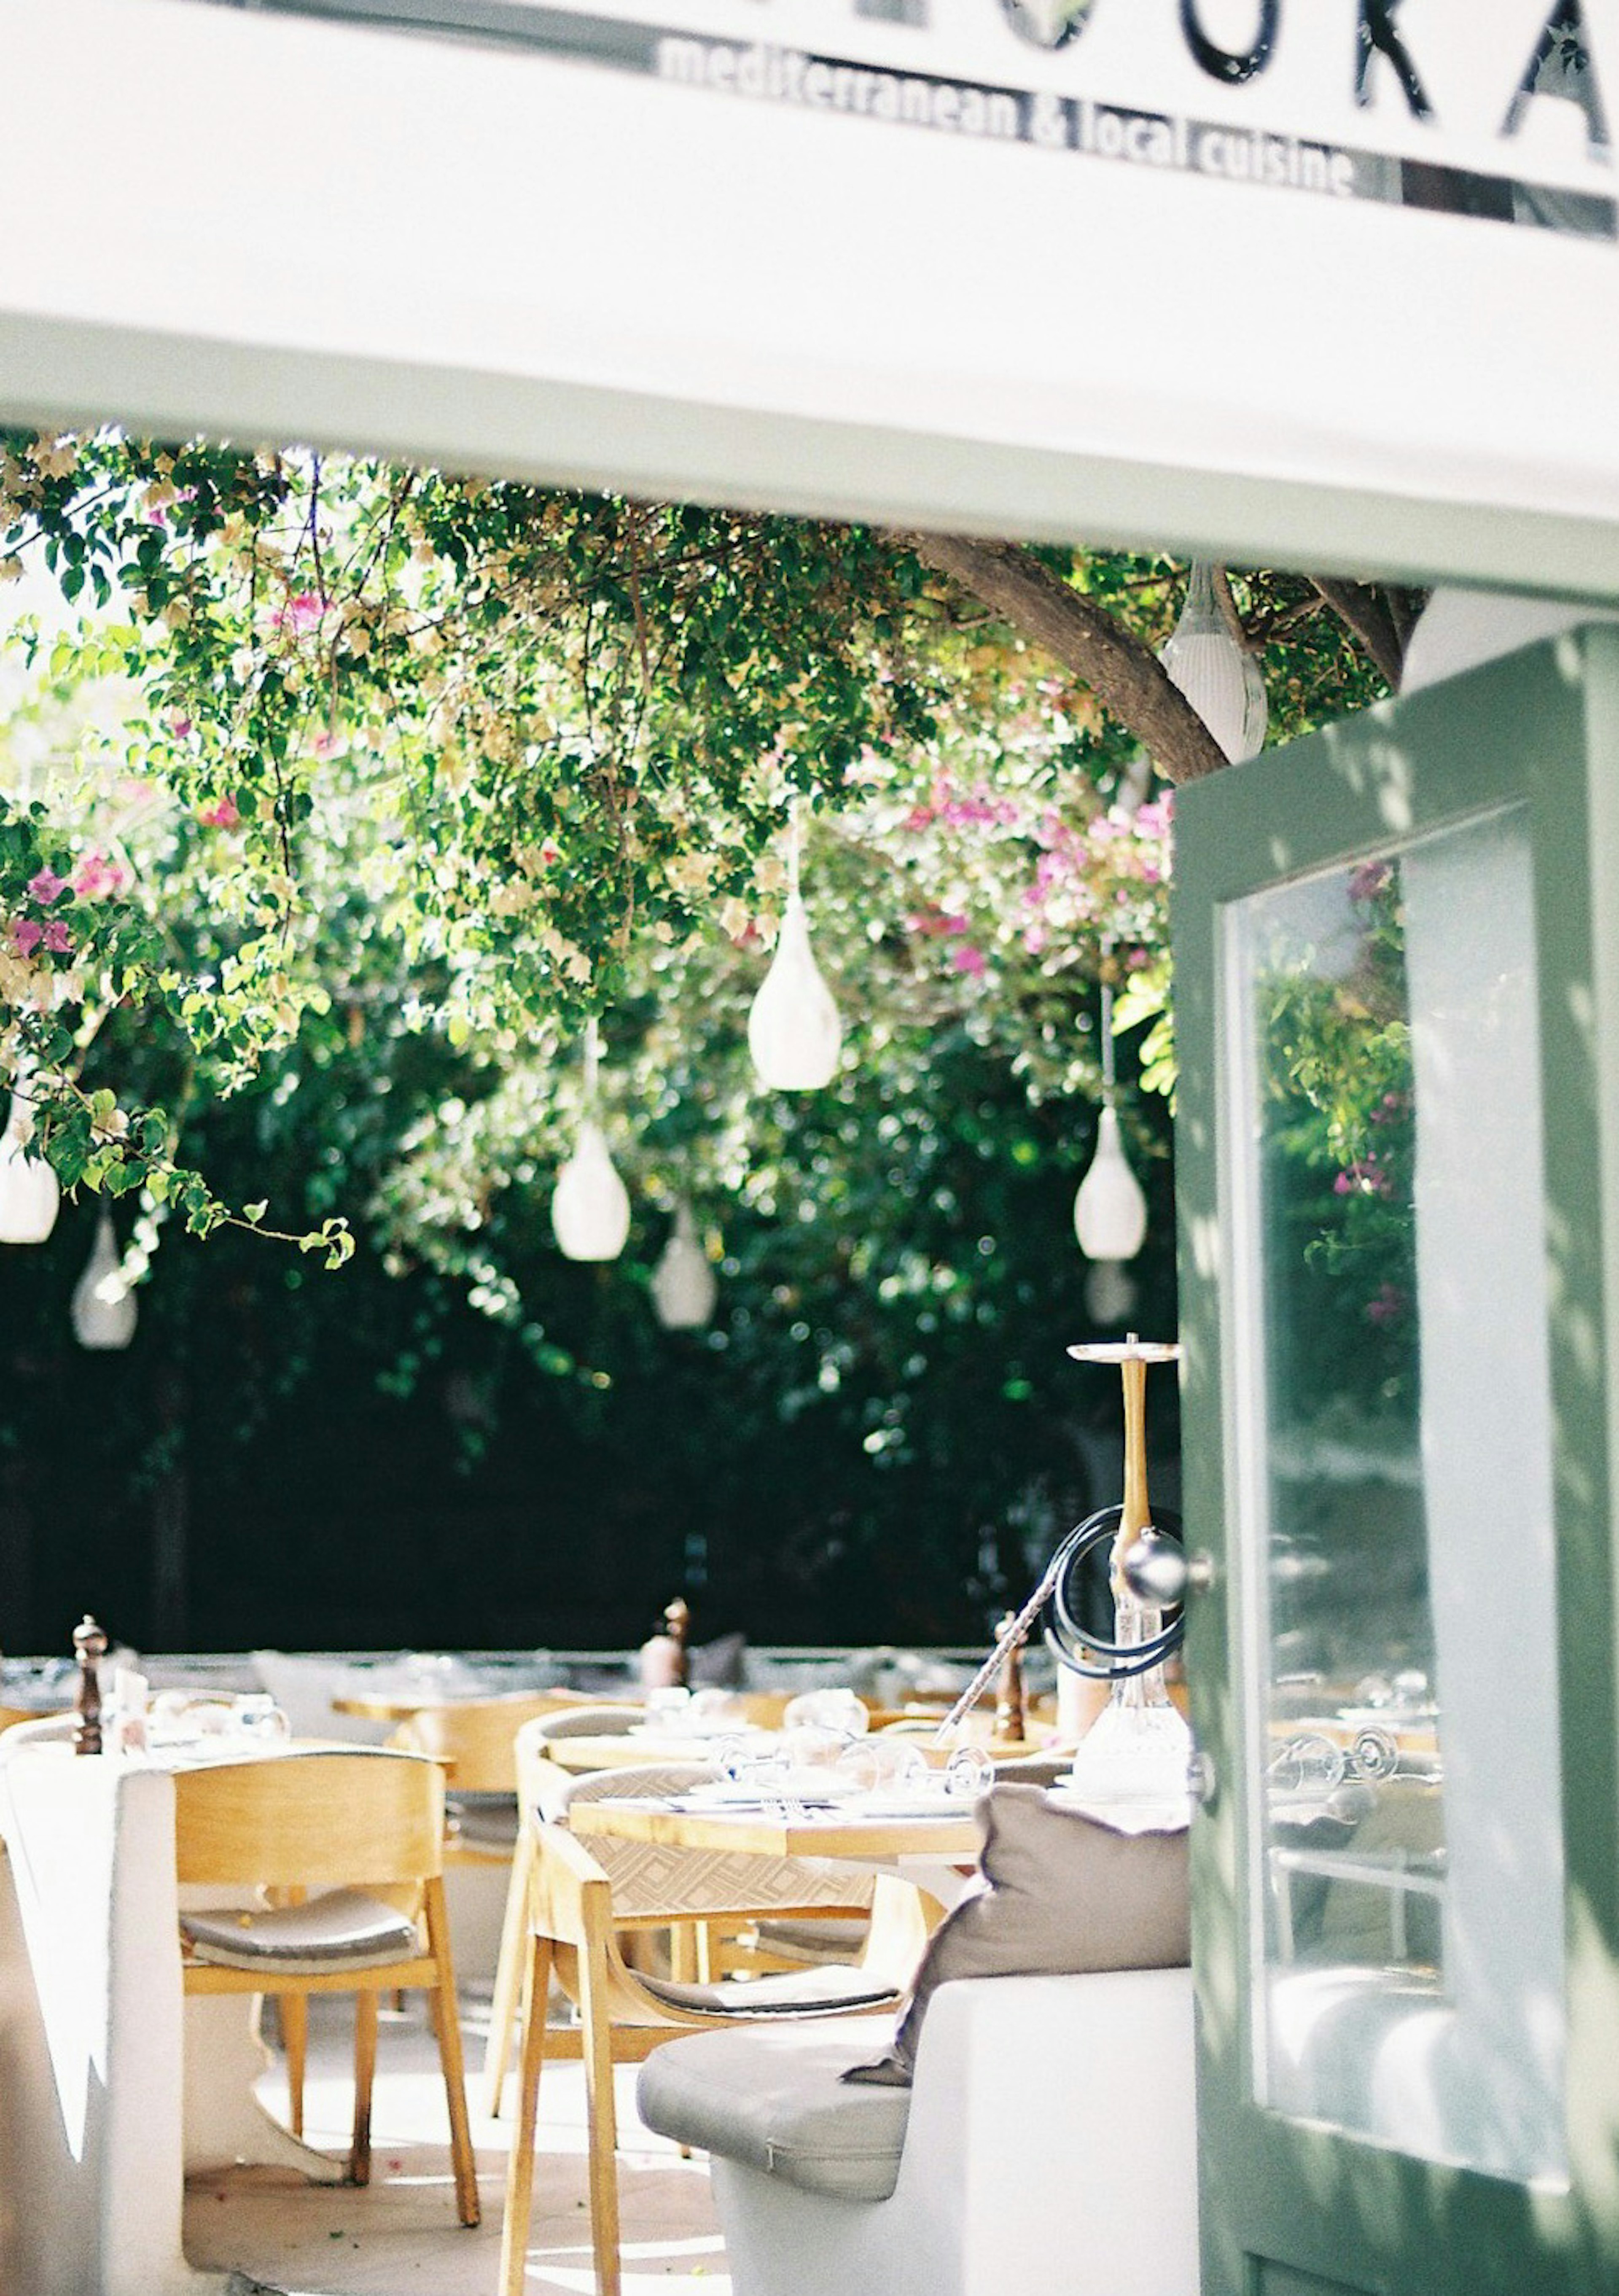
1126	678
1364	610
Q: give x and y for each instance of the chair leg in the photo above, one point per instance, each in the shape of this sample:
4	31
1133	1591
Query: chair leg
535	1972
508	1975
601	2117
293	2009
364	2074
448	2024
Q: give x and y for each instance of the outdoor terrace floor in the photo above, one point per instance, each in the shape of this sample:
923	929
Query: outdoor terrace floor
399	2237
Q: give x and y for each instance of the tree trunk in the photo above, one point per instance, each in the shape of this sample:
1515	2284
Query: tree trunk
1127	679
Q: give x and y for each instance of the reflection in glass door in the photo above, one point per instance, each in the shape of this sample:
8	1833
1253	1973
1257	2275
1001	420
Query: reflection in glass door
1404	1846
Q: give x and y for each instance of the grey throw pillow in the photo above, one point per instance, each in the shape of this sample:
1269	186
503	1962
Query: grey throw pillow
1063	1892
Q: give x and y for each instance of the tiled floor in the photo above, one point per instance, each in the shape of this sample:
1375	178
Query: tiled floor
400	2236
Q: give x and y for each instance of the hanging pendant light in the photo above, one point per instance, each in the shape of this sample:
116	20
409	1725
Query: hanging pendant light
793	1032
104	1305
590	1208
29	1190
1222	682
684	1287
1109	1212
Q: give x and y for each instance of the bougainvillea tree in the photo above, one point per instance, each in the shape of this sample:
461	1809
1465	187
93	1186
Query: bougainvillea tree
336	798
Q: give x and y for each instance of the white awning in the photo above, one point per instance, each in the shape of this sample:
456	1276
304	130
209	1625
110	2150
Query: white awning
1164	282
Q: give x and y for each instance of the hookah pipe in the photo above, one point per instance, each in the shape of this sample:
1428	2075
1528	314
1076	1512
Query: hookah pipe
1146	1566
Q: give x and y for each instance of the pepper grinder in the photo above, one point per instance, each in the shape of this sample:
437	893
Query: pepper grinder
677	1618
664	1660
89	1644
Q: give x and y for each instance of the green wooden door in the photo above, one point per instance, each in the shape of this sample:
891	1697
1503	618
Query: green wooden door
1397	1008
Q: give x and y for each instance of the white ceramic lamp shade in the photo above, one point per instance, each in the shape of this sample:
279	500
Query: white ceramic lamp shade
793	1032
28	1190
1222	683
104	1305
590	1211
684	1287
1110	1211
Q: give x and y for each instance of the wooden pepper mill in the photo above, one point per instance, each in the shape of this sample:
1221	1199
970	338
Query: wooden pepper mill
665	1664
1010	1716
89	1644
677	1618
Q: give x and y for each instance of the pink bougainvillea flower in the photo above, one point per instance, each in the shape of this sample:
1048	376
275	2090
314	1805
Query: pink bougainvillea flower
45	887
58	939
27	934
95	877
967	959
300	614
220	814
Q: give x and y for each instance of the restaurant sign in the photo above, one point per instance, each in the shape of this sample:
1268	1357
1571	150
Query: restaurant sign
1501	114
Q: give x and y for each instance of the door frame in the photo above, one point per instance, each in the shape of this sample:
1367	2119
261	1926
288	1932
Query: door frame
1542	729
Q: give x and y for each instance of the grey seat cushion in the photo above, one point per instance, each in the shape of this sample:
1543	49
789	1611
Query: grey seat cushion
826	1991
776	2101
342	1928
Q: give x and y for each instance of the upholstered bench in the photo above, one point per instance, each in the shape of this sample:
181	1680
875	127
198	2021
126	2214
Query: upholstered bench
1049	2141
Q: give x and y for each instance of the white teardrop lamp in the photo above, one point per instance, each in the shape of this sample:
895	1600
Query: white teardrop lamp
1220	678
1109	1212
590	1207
29	1190
104	1305
684	1287
793	1032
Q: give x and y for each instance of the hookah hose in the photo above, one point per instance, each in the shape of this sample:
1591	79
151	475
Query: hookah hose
1085	1653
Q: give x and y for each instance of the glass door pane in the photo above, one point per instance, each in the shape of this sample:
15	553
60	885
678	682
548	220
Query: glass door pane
1396	1554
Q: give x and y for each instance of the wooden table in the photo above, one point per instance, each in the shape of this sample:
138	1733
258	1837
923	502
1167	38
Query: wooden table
628	1748
938	1853
400	1703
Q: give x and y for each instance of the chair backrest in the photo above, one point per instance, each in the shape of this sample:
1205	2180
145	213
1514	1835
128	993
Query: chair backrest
594	1721
304	1686
573	1900
477	1737
651	1882
363	1817
574	1903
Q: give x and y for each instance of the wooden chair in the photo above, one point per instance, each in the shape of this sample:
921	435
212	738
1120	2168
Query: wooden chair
530	1765
476	1739
362	1820
697	1907
623	2016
